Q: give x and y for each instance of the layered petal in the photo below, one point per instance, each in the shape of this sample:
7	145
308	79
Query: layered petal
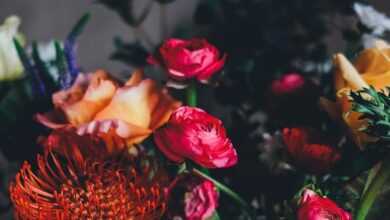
193	134
314	207
189	59
97	103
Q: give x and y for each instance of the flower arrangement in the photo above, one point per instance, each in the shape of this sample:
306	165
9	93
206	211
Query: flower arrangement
210	125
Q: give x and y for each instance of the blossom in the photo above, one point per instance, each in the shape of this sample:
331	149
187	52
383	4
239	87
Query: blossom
371	18
98	103
10	64
193	134
189	59
74	181
192	198
315	207
288	83
371	68
201	202
309	153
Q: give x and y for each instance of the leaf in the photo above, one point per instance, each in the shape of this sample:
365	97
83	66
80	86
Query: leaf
38	87
79	26
60	63
130	53
70	46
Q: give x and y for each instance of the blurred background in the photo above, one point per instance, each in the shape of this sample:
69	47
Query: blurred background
43	20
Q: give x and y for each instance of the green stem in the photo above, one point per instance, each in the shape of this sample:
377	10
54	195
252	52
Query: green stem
235	196
373	190
191	95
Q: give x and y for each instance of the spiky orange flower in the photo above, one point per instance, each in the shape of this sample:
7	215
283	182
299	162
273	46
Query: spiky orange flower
65	186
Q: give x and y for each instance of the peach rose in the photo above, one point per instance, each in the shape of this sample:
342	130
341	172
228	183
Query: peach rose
98	103
371	67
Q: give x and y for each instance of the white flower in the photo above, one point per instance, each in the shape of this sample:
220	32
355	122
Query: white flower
10	65
47	53
376	21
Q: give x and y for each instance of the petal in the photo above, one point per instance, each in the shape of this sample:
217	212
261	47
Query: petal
133	134
163	110
98	94
373	61
136	78
165	145
52	120
74	94
133	104
209	71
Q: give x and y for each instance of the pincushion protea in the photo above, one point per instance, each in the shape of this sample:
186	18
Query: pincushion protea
65	186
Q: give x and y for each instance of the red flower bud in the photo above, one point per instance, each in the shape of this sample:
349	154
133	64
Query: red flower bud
193	134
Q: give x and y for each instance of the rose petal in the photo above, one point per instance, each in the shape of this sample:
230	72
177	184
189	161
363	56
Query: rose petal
130	132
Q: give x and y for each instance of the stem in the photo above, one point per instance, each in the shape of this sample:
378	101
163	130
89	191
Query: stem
373	190
235	196
191	95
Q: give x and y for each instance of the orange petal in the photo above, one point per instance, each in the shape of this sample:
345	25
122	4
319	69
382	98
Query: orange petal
135	78
373	61
133	104
164	109
99	93
379	81
52	120
73	94
132	133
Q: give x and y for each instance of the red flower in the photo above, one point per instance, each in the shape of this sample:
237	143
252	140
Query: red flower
201	202
288	83
315	207
188	59
191	197
193	134
76	180
307	152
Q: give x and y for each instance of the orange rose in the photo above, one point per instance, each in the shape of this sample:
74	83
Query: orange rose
98	103
372	67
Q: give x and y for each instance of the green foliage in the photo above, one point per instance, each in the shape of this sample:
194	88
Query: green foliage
130	53
79	27
375	110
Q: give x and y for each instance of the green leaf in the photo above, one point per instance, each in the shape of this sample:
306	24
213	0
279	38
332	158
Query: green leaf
79	26
60	58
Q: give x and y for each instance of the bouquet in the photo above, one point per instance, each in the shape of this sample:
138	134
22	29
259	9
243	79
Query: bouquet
244	114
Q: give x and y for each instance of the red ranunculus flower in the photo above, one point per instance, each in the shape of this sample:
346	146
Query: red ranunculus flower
193	134
315	207
188	59
201	202
288	83
308	151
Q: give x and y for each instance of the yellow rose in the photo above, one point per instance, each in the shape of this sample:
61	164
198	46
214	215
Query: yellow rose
10	65
96	103
371	67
